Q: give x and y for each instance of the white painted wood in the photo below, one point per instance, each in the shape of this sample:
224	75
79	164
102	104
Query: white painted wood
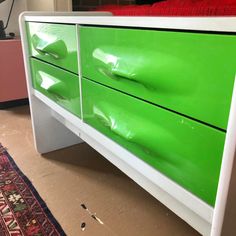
153	187
27	15
48	134
186	205
193	210
226	170
26	52
223	24
80	71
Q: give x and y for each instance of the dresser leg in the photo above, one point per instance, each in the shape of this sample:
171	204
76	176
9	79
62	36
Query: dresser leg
49	134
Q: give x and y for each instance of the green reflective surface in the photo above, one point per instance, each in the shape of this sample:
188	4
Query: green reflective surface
54	43
186	151
191	73
59	85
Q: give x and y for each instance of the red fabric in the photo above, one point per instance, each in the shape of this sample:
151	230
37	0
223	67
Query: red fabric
133	10
175	3
218	2
176	8
195	8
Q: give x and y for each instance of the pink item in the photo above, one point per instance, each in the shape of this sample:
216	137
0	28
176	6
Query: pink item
12	74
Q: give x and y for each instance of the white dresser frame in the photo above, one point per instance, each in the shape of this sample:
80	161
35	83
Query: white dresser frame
55	127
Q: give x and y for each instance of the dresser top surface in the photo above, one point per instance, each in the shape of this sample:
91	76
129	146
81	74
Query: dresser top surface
215	24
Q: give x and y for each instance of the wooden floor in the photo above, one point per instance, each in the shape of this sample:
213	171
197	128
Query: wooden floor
79	175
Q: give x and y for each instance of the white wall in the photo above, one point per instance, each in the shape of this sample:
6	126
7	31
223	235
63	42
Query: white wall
19	6
49	5
41	5
63	5
30	5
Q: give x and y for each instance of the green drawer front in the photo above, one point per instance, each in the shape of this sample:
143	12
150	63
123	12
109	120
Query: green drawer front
54	43
184	150
191	73
59	85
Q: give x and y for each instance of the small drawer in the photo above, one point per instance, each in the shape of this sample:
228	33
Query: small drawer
54	43
190	73
59	85
184	150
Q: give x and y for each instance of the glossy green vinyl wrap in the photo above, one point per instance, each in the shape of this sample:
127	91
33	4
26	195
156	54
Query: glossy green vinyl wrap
184	150
54	43
190	73
59	85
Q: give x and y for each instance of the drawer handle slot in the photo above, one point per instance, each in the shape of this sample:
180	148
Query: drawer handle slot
132	130
52	85
167	74
117	75
111	123
56	48
122	65
58	96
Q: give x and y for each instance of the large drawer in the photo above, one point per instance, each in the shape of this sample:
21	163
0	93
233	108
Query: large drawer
190	73
54	43
59	85
186	151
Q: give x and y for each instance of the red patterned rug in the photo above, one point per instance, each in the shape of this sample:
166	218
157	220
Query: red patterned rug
22	211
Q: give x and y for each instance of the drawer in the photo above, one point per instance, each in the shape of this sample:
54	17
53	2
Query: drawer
54	43
186	151
190	73
59	85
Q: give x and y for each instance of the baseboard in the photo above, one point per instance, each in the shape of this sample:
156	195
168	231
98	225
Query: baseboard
14	103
